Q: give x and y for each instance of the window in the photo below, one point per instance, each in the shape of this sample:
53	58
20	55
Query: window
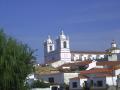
50	48
64	44
51	80
99	83
74	84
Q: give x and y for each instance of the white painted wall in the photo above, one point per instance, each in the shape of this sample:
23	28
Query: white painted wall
67	76
31	76
115	51
112	57
92	65
84	57
76	56
97	79
71	84
80	83
60	78
106	81
101	56
65	56
117	72
30	79
111	80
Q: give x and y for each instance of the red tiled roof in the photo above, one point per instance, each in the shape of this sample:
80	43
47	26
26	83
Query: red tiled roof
103	75
116	67
108	63
75	78
83	76
95	76
79	77
89	52
96	70
80	63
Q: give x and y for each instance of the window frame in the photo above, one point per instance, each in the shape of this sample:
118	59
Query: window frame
74	85
99	83
51	79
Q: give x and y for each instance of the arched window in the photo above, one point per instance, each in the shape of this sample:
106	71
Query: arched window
64	44
50	48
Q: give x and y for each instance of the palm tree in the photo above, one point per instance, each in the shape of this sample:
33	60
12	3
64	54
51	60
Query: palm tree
16	62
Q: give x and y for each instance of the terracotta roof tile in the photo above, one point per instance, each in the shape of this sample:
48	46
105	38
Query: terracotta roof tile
75	78
83	76
96	70
95	76
80	77
103	75
108	63
78	63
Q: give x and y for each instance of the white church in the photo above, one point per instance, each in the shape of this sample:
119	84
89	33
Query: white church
59	50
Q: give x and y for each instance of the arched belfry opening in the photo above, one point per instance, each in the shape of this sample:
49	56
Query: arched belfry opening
64	44
51	48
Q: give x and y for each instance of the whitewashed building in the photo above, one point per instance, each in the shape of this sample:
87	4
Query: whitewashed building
59	50
99	75
114	49
77	83
31	78
57	78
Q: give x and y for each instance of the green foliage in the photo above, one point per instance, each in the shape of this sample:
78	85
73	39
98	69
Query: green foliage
40	84
16	62
78	68
65	86
82	68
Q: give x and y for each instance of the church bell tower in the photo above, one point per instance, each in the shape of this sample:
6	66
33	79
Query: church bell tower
49	47
63	47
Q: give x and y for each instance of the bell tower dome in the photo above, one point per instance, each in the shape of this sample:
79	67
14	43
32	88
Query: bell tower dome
49	45
113	44
63	42
114	48
62	47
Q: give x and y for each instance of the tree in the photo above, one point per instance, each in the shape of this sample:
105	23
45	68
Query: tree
16	62
40	84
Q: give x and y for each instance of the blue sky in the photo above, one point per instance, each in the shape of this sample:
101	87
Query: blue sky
90	24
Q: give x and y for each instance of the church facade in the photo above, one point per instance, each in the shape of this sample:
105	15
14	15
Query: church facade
59	50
